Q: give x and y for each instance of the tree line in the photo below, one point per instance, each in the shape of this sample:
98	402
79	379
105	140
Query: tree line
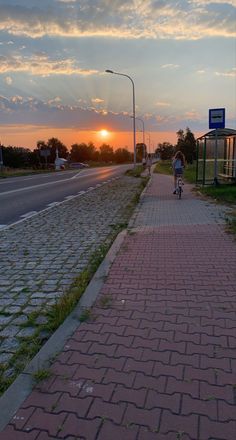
44	154
186	143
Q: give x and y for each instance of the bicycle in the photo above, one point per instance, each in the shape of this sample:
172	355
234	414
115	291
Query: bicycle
179	187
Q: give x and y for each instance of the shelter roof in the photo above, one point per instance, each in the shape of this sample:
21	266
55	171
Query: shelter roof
221	133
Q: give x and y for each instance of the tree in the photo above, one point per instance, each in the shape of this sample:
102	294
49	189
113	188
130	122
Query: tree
54	144
166	150
82	152
122	155
187	144
141	151
106	153
16	157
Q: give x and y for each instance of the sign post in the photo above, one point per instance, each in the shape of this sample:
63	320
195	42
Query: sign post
45	152
216	121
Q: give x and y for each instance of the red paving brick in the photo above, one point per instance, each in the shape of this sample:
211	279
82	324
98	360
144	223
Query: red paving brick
159	362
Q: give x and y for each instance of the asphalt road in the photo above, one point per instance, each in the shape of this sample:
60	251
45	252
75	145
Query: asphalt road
24	196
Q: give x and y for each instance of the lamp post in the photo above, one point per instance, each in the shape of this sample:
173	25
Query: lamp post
134	128
1	158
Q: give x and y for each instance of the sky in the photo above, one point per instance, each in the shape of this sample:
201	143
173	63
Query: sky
180	55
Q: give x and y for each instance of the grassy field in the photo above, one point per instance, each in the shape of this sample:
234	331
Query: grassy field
164	167
222	193
15	172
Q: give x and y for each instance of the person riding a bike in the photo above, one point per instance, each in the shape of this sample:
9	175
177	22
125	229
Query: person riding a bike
178	164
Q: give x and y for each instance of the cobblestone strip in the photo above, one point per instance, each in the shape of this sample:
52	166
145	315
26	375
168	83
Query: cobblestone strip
41	256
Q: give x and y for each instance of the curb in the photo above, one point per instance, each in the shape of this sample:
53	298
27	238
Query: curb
24	383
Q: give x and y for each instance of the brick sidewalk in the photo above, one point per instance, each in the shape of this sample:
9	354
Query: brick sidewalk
157	360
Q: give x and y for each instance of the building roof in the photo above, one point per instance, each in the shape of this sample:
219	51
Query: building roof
221	133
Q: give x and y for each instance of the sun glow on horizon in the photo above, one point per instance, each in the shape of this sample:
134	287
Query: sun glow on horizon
104	133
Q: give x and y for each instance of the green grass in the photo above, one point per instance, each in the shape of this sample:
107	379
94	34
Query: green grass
225	193
135	172
164	167
85	315
41	374
15	172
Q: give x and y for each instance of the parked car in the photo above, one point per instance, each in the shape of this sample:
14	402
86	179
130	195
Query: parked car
78	165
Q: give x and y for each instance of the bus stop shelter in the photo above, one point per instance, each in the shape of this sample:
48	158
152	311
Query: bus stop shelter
216	157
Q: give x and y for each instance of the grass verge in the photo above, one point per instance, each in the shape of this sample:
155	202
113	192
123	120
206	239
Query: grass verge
164	167
14	172
225	193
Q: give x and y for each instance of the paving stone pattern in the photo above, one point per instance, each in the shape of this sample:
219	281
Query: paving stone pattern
158	361
40	257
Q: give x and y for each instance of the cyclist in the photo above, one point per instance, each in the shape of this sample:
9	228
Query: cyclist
178	164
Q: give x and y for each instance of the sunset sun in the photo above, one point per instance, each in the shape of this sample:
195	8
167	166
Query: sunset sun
104	133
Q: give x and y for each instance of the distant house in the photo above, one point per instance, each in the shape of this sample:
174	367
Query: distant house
216	156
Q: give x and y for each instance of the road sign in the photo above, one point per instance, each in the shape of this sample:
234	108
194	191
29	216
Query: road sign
217	118
45	152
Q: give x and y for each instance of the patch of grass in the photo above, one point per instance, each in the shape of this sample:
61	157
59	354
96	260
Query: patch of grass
85	315
135	172
41	374
14	172
67	302
231	221
25	290
31	320
190	173
105	301
225	193
27	350
165	167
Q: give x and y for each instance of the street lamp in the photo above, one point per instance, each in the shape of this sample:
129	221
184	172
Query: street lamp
1	158
134	129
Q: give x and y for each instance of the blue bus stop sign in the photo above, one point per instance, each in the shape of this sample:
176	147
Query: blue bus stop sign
217	118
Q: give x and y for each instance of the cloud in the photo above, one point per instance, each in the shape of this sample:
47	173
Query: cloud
162	104
97	100
192	115
18	110
230	73
170	66
42	65
8	80
188	19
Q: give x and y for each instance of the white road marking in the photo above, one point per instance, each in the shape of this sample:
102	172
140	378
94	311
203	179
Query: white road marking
51	205
40	185
29	214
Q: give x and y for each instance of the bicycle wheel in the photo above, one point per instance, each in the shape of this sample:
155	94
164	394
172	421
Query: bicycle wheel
179	192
